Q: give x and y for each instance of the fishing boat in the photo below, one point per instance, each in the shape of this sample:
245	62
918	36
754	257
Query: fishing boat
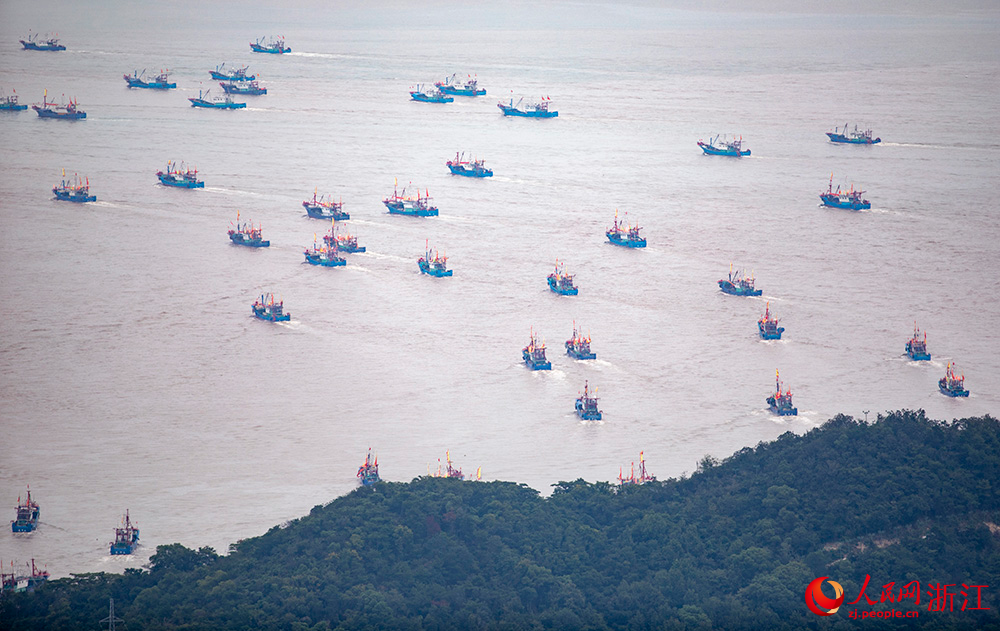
75	191
324	256
768	326
245	87
343	242
217	103
844	199
233	74
586	405
34	579
451	471
27	515
126	537
533	110
716	147
634	479
437	266
368	472
451	86
430	96
180	176
273	46
916	348
468	168
323	208
737	285
950	385
400	204
562	283
246	234
534	354
578	346
34	44
10	104
159	82
624	234
855	138
781	403
265	308
48	109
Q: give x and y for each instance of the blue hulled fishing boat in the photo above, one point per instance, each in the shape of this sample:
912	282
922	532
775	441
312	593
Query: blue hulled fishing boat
248	87
768	326
400	204
468	168
737	285
233	74
432	96
855	138
32	43
246	234
10	104
781	404
534	110
368	472
126	537
323	208
437	266
217	103
159	82
180	176
624	234
451	86
47	109
586	405
844	199
578	346
273	46
732	148
324	256
916	348
952	386
265	308
26	519
562	283
343	242
76	191
534	354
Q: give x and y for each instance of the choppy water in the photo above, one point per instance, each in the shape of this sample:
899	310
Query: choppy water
132	375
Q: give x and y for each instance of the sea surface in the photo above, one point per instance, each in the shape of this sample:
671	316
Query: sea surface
132	375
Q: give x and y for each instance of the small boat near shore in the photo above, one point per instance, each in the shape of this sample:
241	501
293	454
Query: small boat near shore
716	147
368	472
246	234
850	200
179	176
265	308
916	348
634	479
468	168
126	537
586	405
159	82
562	283
532	110
950	385
49	109
75	191
853	138
781	403
534	354
737	285
451	471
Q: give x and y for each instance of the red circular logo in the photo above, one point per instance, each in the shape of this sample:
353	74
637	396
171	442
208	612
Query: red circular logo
817	601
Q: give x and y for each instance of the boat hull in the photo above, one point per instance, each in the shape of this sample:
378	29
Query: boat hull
562	291
588	415
180	183
773	334
717	151
952	393
536	365
731	289
400	209
80	199
578	355
447	89
134	83
430	271
784	411
625	242
47	113
235	89
461	170
212	105
357	249
917	356
276	50
424	98
4	107
841	138
513	111
238	239
262	314
34	46
22	526
218	76
122	548
320	212
325	262
834	201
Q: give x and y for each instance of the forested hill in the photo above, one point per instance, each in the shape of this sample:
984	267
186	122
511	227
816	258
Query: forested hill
732	547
